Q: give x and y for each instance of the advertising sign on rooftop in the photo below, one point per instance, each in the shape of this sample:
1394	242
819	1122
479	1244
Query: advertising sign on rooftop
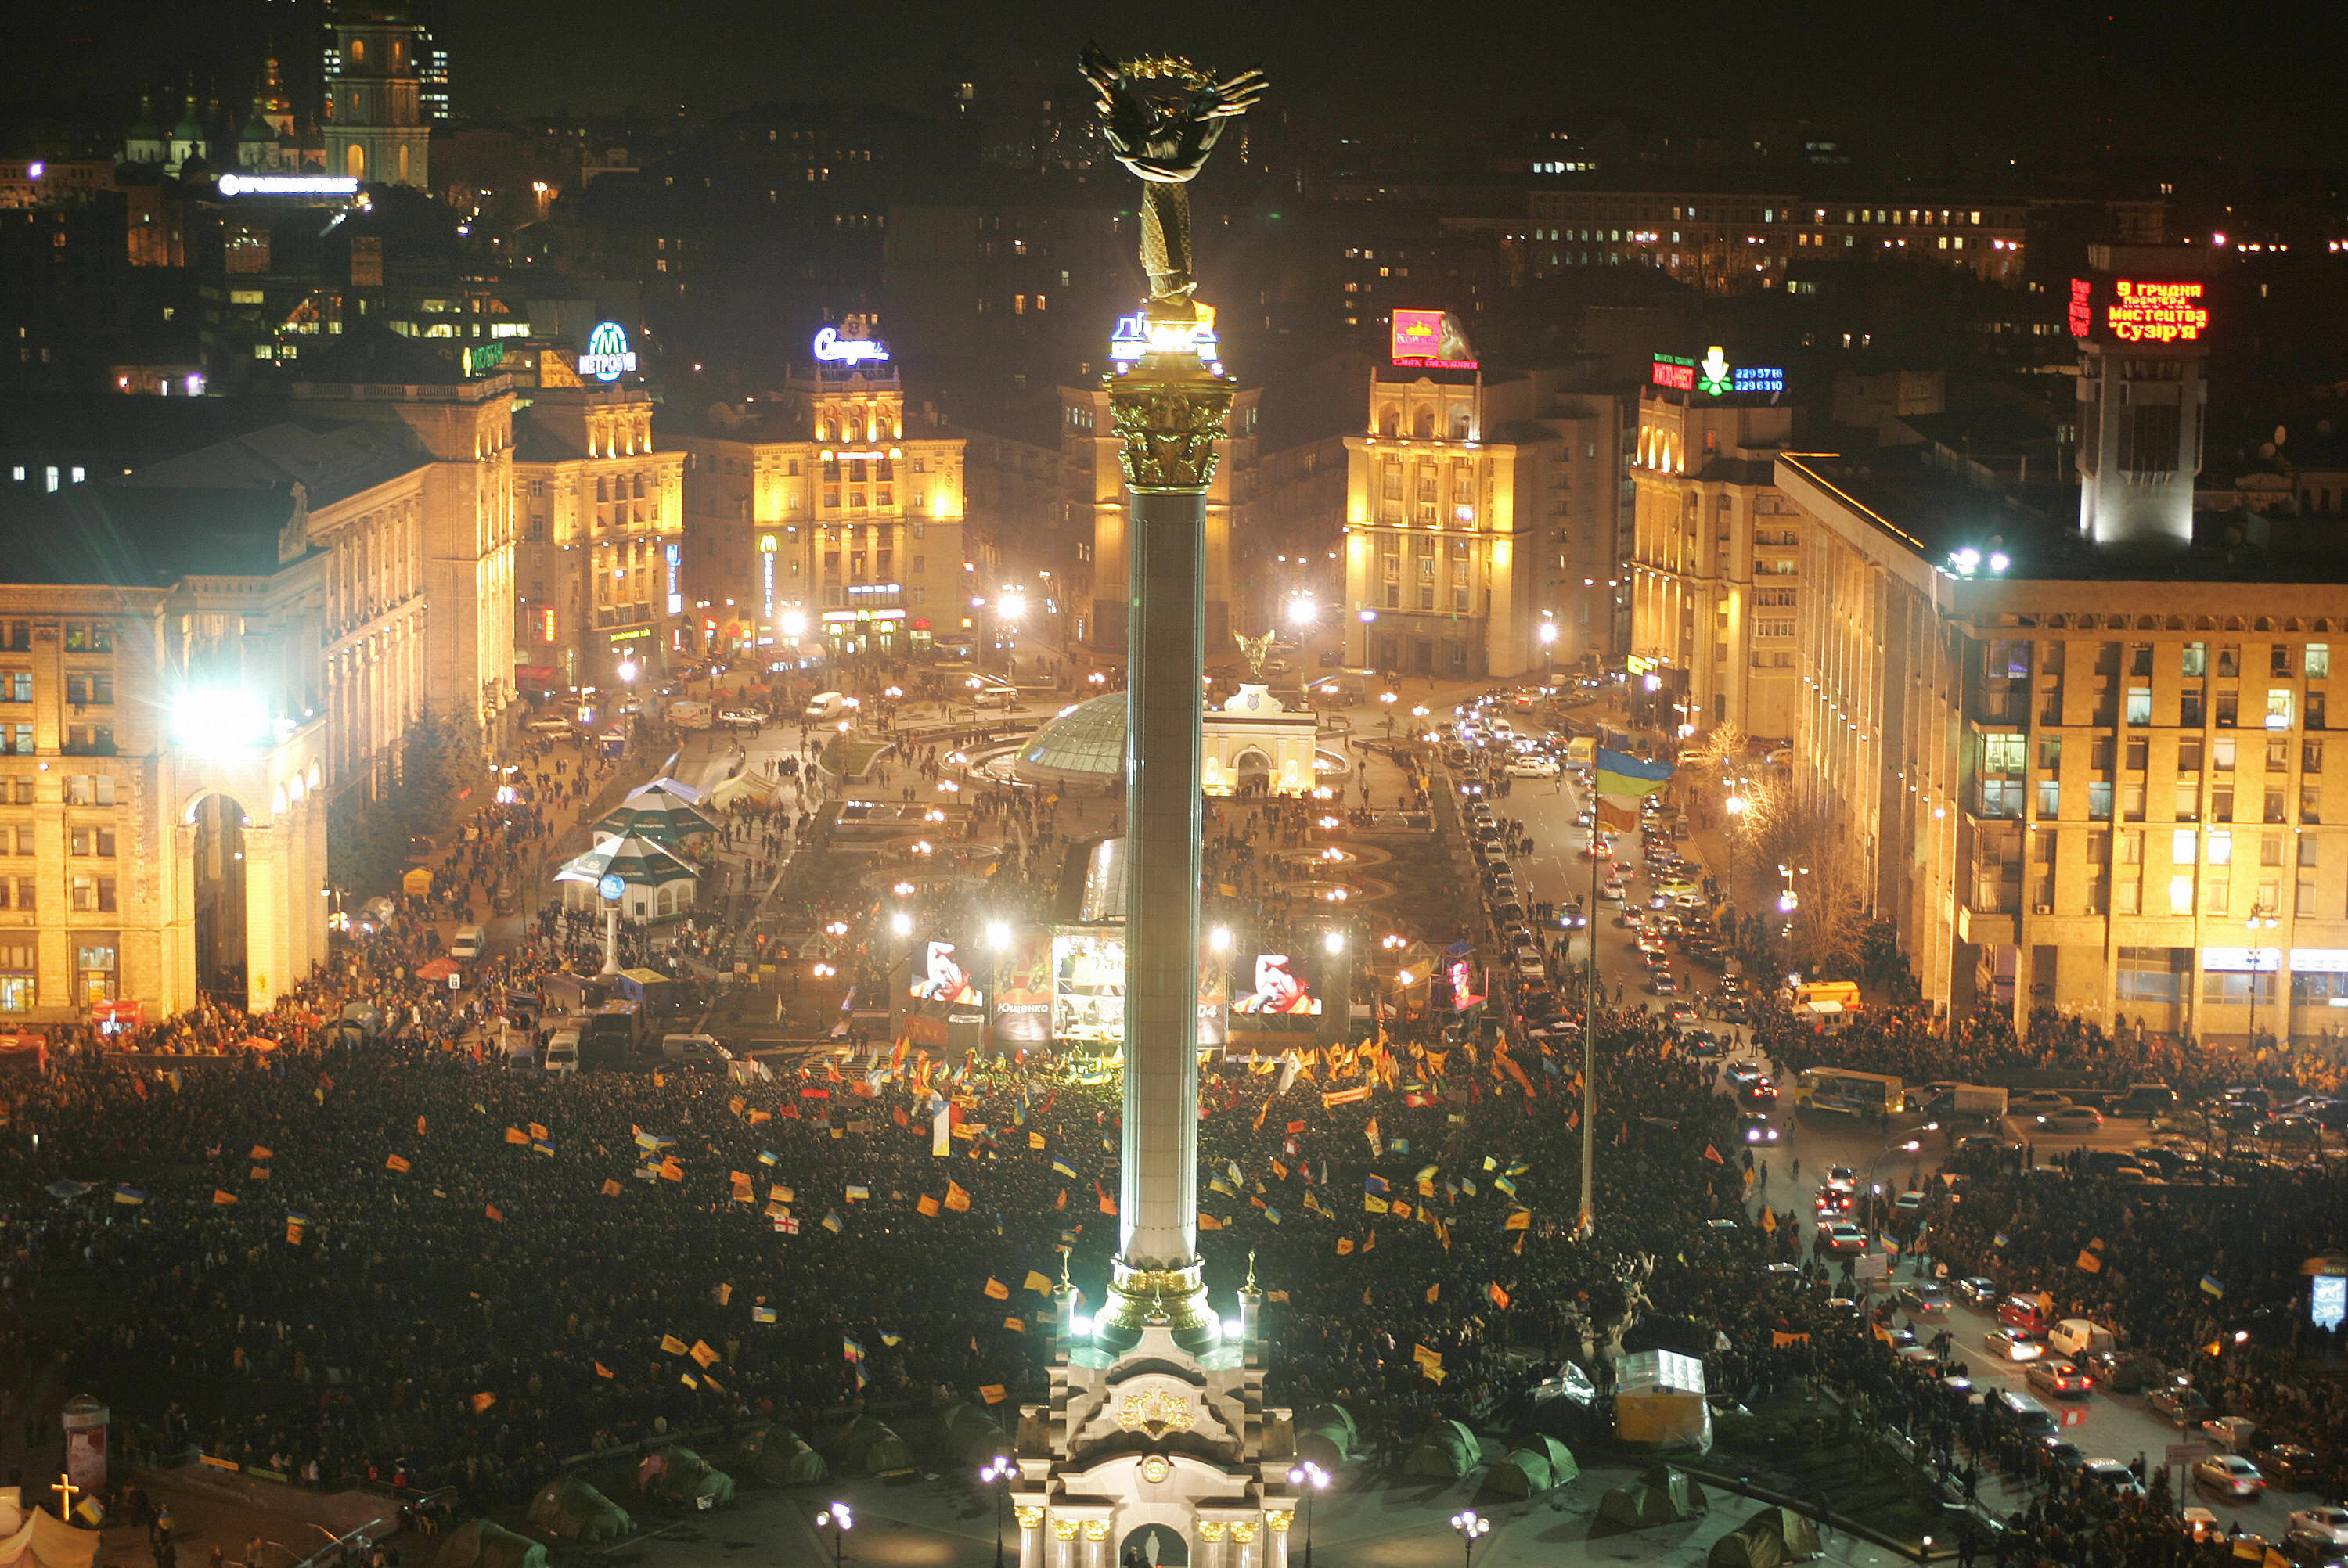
2138	311
608	355
1713	376
1431	340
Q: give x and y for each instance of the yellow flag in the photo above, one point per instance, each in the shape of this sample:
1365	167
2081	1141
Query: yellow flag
1037	1283
1374	1204
672	1344
1035	1140
1016	1325
702	1353
1432	1292
991	1392
997	1290
1520	1220
956	1199
1769	1221
927	1206
1344	1245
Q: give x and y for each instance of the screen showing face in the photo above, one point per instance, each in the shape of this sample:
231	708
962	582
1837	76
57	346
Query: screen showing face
943	981
1280	989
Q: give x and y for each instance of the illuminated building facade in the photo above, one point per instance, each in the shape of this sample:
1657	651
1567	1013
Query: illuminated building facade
1723	242
163	750
375	128
2070	786
1481	529
600	565
826	522
1716	557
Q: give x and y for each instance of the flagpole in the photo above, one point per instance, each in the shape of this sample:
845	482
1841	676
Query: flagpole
1587	1224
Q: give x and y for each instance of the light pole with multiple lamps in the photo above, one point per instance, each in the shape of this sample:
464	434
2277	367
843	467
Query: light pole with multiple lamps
1308	1478
1471	1526
841	1522
999	1475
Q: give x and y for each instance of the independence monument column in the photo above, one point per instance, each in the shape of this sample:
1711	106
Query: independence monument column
1157	1426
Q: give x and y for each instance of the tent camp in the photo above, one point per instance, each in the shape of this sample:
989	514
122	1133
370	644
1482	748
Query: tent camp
973	1435
571	1510
1334	1416
872	1448
1448	1450
777	1456
1663	1496
478	1543
1771	1537
1324	1446
684	1478
38	1539
1541	1463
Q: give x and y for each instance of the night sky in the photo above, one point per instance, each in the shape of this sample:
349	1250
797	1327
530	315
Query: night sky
2258	80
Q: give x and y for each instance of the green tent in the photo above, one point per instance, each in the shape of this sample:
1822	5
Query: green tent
1663	1496
478	1543
870	1447
571	1510
973	1435
1336	1415
1448	1450
1769	1539
1541	1463
777	1456
691	1480
1324	1446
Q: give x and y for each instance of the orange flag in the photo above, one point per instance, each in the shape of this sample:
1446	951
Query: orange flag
1499	1297
998	1290
482	1401
393	1163
927	1206
1108	1204
602	1370
419	1126
956	1199
493	1213
611	1188
516	1135
1433	1291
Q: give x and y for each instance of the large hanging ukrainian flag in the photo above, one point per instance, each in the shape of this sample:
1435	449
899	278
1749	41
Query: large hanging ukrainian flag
1621	781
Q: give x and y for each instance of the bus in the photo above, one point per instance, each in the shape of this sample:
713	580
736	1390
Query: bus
1839	1092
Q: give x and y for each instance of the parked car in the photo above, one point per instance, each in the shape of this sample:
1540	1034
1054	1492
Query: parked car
2113	1476
2120	1371
2229	1475
2289	1465
745	718
549	724
1926	1299
2330	1523
2180	1406
1977	1291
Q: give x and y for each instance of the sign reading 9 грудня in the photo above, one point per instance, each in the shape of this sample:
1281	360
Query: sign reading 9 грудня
2140	311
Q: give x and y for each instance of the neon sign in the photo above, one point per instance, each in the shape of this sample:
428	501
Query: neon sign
1430	340
674	557
2083	307
1713	376
1137	335
837	350
2157	313
286	185
608	355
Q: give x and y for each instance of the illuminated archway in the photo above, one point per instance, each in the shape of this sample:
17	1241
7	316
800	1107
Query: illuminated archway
217	871
355	161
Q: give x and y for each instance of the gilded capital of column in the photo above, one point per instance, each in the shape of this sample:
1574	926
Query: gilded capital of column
1168	430
1097	1530
1029	1518
1065	1528
1279	1521
1242	1530
1210	1531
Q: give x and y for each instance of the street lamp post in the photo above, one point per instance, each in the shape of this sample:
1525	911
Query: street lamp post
841	1522
1308	1478
2262	919
1547	636
998	1476
1472	1525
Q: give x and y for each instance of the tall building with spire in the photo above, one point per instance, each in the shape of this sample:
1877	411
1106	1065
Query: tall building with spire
375	128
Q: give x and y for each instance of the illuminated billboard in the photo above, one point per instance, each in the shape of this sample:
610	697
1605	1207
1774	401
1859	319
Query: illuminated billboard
1023	991
608	355
943	979
2139	311
1713	376
1431	340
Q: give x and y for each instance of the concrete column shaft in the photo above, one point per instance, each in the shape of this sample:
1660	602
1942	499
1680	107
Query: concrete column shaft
1158	1197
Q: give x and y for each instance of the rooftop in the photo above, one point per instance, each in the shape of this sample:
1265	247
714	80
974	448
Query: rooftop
330	462
117	537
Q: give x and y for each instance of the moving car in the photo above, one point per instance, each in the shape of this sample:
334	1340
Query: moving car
1927	1300
2332	1524
746	717
469	943
2013	1345
2072	1119
1753	1127
2113	1476
1842	1178
826	705
549	724
1533	767
1844	1236
2060	1379
2229	1475
1977	1291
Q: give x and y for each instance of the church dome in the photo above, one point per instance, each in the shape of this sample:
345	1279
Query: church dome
1083	744
144	128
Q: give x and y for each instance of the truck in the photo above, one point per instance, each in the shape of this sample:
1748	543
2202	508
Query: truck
1968	1101
688	714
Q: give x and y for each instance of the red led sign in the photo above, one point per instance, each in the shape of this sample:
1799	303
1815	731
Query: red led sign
1675	373
2083	307
2157	313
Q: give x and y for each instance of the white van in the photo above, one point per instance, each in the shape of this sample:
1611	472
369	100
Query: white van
469	943
562	1053
2075	1336
520	1048
826	705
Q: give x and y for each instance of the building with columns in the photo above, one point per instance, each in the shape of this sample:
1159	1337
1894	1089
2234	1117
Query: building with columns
600	567
1715	560
1480	523
823	518
163	750
375	128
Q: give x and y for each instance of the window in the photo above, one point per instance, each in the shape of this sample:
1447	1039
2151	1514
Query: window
16	686
2274	806
2305	905
91	894
2278	756
83	689
2001	797
2183	846
2227	704
2279	708
2319	661
2188	803
2222	752
17	984
2220	848
2050	798
2131	849
2310	803
97	841
16	739
89	637
2099	801
2181	894
2132	803
2314	719
2196	659
2230	660
2139	752
2236	990
2189	708
2278	660
2188	756
2139	705
2003	753
2221	802
2050	754
2140	659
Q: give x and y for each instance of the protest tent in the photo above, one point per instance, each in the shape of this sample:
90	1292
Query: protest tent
975	1436
572	1509
42	1539
1322	1417
478	1543
685	1477
870	1446
1449	1451
1541	1463
1770	1538
1663	1496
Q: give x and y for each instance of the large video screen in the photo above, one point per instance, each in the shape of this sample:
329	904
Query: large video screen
1088	987
1280	996
941	977
1023	991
